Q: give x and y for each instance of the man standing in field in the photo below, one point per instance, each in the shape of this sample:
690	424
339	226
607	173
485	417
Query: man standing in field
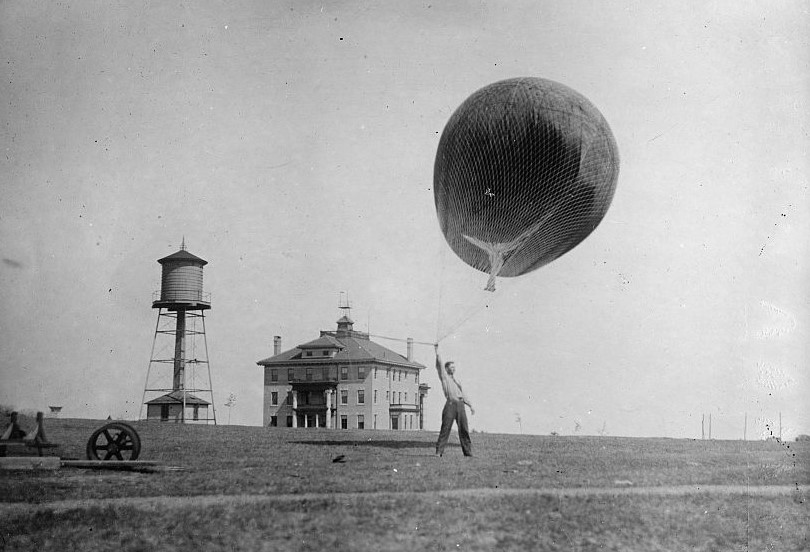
453	409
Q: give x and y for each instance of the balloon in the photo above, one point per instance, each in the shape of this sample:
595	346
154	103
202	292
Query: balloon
525	170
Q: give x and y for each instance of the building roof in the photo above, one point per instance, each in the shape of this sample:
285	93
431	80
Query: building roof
176	397
354	347
183	255
323	342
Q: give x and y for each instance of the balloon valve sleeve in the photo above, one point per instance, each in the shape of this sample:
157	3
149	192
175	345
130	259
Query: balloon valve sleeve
490	284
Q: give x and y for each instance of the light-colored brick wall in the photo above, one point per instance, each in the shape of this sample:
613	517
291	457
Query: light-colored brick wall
387	380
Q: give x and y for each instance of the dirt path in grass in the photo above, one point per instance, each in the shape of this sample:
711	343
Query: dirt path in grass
163	502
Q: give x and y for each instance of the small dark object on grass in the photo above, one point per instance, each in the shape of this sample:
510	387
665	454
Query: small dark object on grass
339	459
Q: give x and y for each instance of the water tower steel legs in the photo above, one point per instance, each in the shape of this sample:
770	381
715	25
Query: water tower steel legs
181	333
208	364
178	382
149	368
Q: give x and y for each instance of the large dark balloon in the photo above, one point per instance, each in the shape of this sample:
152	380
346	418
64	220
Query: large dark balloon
525	170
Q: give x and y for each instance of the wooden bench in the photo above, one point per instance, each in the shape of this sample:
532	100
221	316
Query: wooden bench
22	447
26	446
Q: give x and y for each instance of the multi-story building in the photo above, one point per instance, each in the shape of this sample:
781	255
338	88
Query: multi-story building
343	380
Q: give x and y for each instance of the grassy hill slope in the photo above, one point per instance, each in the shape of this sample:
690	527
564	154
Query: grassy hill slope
386	495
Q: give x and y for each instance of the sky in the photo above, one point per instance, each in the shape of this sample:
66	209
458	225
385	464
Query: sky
291	145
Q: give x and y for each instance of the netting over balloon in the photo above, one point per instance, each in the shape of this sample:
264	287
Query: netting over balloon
525	170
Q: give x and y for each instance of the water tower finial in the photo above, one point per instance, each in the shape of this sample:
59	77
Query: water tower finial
183	244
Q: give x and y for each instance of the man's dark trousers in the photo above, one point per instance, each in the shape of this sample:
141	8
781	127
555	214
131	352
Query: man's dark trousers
454	411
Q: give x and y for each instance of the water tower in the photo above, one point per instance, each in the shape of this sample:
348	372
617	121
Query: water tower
178	380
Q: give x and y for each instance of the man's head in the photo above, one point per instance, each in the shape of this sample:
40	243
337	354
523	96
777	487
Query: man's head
450	367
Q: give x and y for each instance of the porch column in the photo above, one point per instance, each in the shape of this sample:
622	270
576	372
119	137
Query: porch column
295	408
337	411
328	394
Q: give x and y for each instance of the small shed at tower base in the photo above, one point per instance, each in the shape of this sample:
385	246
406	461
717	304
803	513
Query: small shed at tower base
169	408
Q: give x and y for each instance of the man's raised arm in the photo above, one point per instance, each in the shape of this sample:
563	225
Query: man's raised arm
439	367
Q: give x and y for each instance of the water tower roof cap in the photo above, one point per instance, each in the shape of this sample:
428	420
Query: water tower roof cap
183	255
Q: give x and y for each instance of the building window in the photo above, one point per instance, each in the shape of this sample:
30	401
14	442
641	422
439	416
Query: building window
344	396
400	376
406	397
289	398
196	412
361	421
361	396
344	372
375	396
273	421
400	398
324	353
274	398
361	372
290	374
309	374
375	421
375	373
274	374
344	421
387	397
289	421
309	353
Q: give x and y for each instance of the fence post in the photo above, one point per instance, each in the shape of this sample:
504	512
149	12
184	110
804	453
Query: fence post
745	427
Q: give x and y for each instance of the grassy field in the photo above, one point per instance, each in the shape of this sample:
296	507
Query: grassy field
250	488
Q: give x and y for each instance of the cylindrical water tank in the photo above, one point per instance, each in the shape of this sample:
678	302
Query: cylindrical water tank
182	278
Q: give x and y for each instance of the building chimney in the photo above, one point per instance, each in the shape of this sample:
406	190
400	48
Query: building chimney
276	345
410	350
